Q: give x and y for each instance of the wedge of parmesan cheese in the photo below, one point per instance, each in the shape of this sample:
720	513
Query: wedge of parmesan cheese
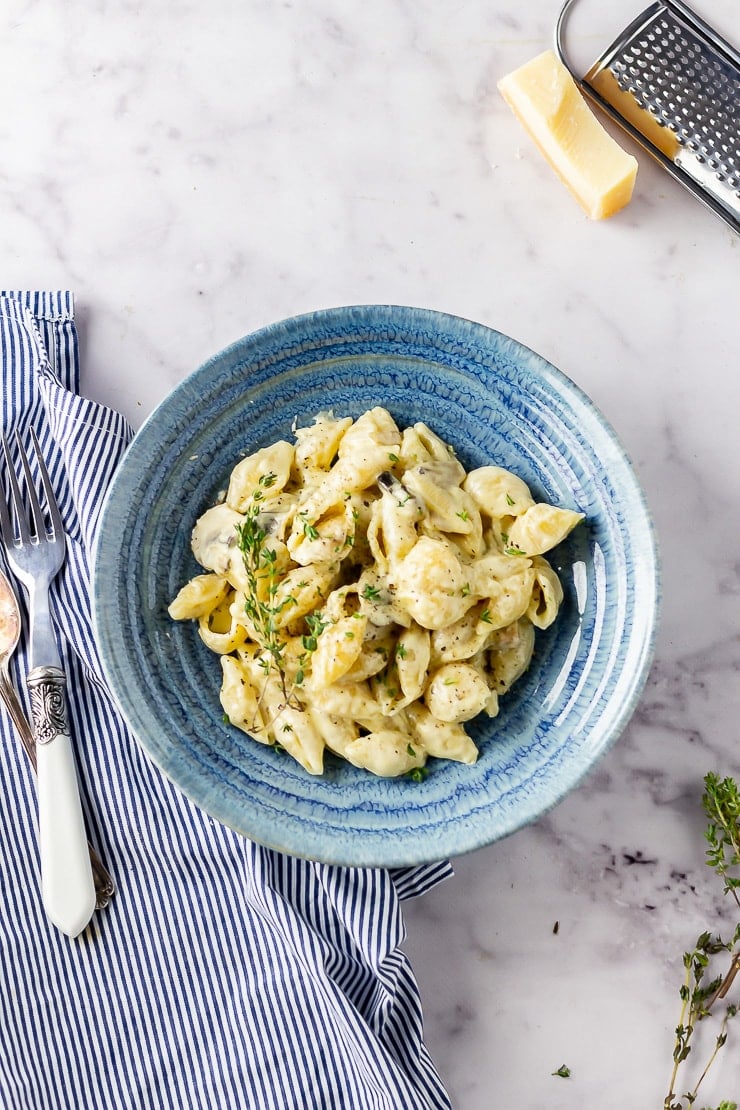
546	100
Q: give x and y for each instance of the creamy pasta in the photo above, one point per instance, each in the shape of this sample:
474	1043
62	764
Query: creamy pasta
368	596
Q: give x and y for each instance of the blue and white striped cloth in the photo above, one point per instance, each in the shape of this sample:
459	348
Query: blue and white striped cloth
222	975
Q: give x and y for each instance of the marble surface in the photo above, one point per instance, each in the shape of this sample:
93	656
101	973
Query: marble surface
195	171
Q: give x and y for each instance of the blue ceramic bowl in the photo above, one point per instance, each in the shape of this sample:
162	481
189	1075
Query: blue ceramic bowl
495	402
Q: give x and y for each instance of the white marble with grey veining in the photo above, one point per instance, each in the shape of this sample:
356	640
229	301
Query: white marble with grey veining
194	171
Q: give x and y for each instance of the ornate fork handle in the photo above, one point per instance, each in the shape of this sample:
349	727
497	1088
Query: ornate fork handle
48	703
104	888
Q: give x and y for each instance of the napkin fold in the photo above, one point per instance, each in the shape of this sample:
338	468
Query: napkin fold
223	974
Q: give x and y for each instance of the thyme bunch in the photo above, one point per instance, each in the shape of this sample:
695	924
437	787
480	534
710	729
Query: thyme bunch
703	989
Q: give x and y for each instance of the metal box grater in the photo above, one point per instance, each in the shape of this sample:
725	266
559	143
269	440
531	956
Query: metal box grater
673	83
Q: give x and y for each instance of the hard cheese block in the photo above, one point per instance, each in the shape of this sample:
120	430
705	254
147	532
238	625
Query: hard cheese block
546	100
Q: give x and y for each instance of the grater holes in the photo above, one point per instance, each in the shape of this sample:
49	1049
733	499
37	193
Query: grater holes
690	90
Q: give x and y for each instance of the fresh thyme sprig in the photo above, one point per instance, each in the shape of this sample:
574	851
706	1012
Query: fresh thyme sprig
260	597
700	994
261	603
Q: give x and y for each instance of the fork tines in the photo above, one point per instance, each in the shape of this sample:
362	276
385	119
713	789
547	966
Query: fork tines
22	532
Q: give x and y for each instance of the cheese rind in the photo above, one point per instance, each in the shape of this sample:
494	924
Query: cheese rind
546	100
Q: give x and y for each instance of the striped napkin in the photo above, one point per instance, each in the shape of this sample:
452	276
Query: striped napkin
222	974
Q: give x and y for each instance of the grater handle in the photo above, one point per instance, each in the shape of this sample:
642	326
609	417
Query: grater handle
560	29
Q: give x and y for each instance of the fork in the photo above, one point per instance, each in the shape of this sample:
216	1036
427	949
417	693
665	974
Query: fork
35	553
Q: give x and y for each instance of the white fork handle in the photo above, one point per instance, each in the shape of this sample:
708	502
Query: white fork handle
67	885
